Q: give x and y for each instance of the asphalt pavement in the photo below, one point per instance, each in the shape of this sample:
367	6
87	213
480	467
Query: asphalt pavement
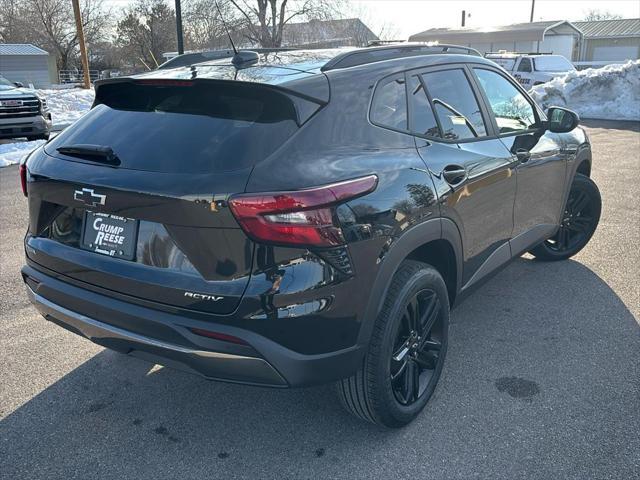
542	380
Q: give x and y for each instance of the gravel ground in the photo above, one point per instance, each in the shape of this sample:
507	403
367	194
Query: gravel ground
541	381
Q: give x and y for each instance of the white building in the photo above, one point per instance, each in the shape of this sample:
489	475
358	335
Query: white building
559	37
22	62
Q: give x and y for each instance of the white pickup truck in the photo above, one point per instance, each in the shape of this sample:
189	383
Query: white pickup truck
23	112
532	68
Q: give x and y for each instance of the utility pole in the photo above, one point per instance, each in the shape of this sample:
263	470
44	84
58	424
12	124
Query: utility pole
464	15
179	27
533	6
83	47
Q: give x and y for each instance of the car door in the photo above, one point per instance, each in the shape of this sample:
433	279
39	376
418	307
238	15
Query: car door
539	160
472	170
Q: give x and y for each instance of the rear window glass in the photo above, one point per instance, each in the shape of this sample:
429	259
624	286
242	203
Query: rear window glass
552	63
421	120
389	108
194	129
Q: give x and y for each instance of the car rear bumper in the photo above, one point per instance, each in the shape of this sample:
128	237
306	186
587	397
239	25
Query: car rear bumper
166	339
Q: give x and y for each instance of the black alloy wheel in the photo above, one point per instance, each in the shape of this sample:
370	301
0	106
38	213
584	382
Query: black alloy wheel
416	351
406	352
578	224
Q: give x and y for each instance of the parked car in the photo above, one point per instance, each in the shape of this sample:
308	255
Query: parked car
532	69
304	217
23	112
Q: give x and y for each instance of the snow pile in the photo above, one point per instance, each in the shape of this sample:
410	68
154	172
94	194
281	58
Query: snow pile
14	152
610	93
67	105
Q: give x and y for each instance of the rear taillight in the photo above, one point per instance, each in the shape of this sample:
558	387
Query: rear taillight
303	217
23	178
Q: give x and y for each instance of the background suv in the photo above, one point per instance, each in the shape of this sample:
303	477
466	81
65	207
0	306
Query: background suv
23	113
301	217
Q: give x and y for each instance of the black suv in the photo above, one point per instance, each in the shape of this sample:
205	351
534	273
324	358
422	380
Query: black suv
294	218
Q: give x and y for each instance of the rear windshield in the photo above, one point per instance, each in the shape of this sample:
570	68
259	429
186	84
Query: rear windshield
552	63
185	129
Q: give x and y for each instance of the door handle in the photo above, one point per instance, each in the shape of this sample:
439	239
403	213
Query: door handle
454	174
523	155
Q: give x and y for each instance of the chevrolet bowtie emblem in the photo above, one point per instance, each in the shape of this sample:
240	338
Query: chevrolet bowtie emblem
89	197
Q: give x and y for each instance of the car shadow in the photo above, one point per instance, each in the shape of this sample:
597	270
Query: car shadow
533	357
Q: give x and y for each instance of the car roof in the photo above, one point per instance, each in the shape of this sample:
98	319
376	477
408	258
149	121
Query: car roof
281	67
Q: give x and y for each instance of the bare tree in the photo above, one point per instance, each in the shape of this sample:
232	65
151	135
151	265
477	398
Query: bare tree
203	24
264	20
595	14
50	24
145	32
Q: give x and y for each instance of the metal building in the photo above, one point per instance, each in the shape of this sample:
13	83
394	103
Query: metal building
558	36
22	62
608	41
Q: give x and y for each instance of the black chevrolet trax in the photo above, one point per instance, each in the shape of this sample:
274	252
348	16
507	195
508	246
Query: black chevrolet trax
292	218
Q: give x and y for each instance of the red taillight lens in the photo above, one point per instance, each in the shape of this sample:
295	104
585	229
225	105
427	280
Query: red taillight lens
23	178
303	217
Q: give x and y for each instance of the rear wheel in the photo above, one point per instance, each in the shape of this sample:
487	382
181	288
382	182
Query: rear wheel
579	222
407	350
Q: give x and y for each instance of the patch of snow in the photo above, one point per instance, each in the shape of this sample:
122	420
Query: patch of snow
67	105
11	153
609	93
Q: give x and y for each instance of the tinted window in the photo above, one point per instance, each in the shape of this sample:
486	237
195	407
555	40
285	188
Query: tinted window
512	110
455	104
389	107
525	65
194	129
422	119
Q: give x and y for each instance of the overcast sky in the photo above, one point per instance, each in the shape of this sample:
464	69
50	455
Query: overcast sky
412	16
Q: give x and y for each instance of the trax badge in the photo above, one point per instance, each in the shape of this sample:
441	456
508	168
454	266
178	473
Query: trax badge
200	296
89	197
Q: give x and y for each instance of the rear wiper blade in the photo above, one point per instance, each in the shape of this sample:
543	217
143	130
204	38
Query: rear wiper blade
94	153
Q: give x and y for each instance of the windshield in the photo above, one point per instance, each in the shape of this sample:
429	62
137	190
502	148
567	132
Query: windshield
552	63
6	84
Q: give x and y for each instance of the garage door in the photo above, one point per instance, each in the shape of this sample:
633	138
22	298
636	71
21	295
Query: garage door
615	53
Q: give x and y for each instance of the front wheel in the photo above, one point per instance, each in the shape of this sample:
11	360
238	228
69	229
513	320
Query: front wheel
407	350
579	222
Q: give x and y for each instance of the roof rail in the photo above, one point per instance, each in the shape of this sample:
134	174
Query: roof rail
372	54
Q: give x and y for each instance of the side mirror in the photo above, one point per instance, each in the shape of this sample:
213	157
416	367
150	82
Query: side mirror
19	84
561	120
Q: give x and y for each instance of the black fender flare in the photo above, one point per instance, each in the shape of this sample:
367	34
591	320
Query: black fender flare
401	247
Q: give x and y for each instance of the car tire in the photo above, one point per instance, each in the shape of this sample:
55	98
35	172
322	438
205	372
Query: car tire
580	220
378	392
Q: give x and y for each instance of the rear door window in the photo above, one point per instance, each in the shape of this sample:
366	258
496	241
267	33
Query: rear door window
422	120
455	104
389	107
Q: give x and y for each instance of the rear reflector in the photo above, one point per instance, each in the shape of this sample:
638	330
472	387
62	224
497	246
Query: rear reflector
303	217
218	336
23	178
